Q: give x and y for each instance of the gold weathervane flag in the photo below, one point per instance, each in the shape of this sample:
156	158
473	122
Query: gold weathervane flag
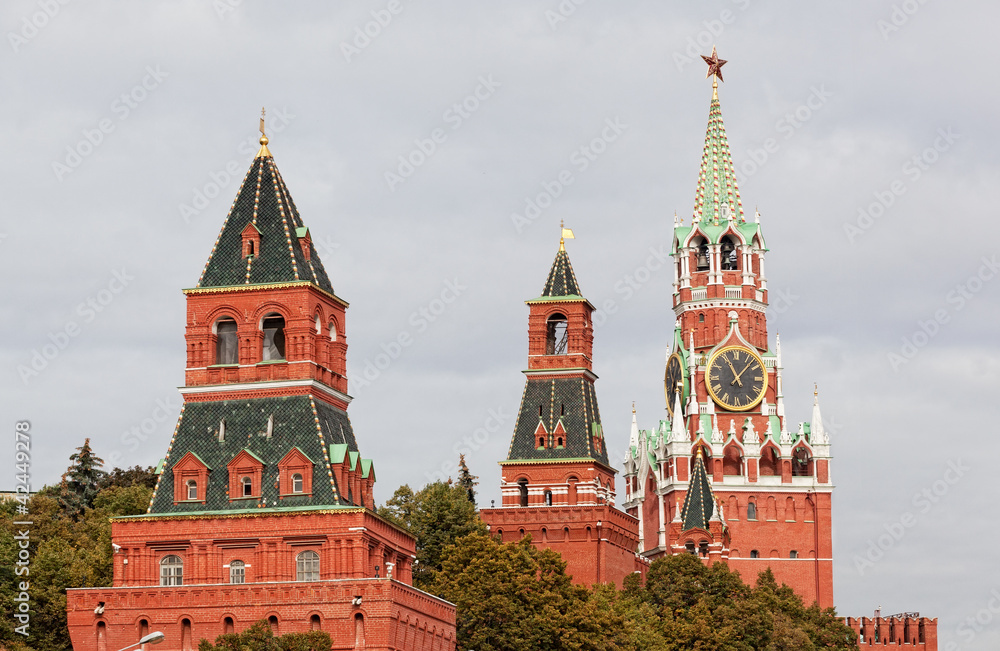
567	234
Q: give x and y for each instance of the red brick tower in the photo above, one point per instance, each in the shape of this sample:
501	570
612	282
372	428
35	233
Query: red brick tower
556	483
263	508
724	396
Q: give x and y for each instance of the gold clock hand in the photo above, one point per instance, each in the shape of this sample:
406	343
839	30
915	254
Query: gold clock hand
743	371
733	368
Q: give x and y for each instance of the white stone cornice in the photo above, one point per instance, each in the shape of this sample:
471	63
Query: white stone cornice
264	386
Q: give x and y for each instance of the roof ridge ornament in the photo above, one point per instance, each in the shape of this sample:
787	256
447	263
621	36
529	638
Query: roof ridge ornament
263	152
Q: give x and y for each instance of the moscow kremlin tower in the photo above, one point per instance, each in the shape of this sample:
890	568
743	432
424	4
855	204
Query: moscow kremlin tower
263	509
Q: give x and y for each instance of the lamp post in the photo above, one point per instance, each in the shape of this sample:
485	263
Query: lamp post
153	638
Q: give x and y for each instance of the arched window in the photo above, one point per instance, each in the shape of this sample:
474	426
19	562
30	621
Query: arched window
559	442
333	331
297	483
102	636
920	632
307	566
802	464
227	342
754	553
228	626
192	489
237	572
732	461
702	261
793	554
314	623
571	493
143	628
703	548
556	335
768	463
522	488
171	570
359	631
751	511
730	255
274	338
689	548
548	498
541	441
247	485
272	621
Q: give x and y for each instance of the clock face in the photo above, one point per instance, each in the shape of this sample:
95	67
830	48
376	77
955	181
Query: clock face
736	378
673	377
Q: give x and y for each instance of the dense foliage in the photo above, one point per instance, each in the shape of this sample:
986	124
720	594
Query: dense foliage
437	516
259	637
70	544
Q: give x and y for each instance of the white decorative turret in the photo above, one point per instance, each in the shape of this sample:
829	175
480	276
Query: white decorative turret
751	443
717	436
677	431
817	433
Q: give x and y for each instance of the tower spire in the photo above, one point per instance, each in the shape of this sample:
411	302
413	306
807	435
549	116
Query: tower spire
717	196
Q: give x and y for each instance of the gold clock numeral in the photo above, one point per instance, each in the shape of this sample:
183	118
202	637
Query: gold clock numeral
755	367
716	387
714	377
758	379
736	355
725	397
736	402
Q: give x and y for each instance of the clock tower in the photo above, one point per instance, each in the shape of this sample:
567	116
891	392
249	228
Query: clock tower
726	476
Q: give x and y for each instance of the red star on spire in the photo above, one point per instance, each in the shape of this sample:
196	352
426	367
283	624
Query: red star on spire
714	65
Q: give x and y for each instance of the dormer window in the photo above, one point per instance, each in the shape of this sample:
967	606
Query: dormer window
274	338
556	335
227	347
251	241
192	489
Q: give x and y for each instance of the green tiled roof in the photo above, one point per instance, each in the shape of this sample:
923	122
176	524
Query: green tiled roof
561	280
264	201
298	422
699	503
579	397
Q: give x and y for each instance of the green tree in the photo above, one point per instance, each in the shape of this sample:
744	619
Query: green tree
80	482
134	476
437	516
514	596
466	479
259	637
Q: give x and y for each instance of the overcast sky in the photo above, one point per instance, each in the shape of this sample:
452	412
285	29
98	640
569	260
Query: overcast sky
864	132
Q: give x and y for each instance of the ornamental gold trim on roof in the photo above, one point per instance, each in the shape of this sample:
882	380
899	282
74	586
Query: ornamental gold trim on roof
252	286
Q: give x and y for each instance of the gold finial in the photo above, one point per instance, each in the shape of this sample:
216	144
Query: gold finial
263	152
633	407
699	452
564	234
815	389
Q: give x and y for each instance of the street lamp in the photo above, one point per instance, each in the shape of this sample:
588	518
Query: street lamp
153	638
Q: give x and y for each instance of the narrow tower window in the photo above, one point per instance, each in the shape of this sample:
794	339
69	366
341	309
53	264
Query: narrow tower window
522	488
227	346
754	553
192	489
702	263
556	335
297	483
548	498
274	338
751	511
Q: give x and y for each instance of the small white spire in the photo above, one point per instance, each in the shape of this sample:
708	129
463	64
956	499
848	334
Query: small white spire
633	436
716	432
756	215
677	431
817	433
749	435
